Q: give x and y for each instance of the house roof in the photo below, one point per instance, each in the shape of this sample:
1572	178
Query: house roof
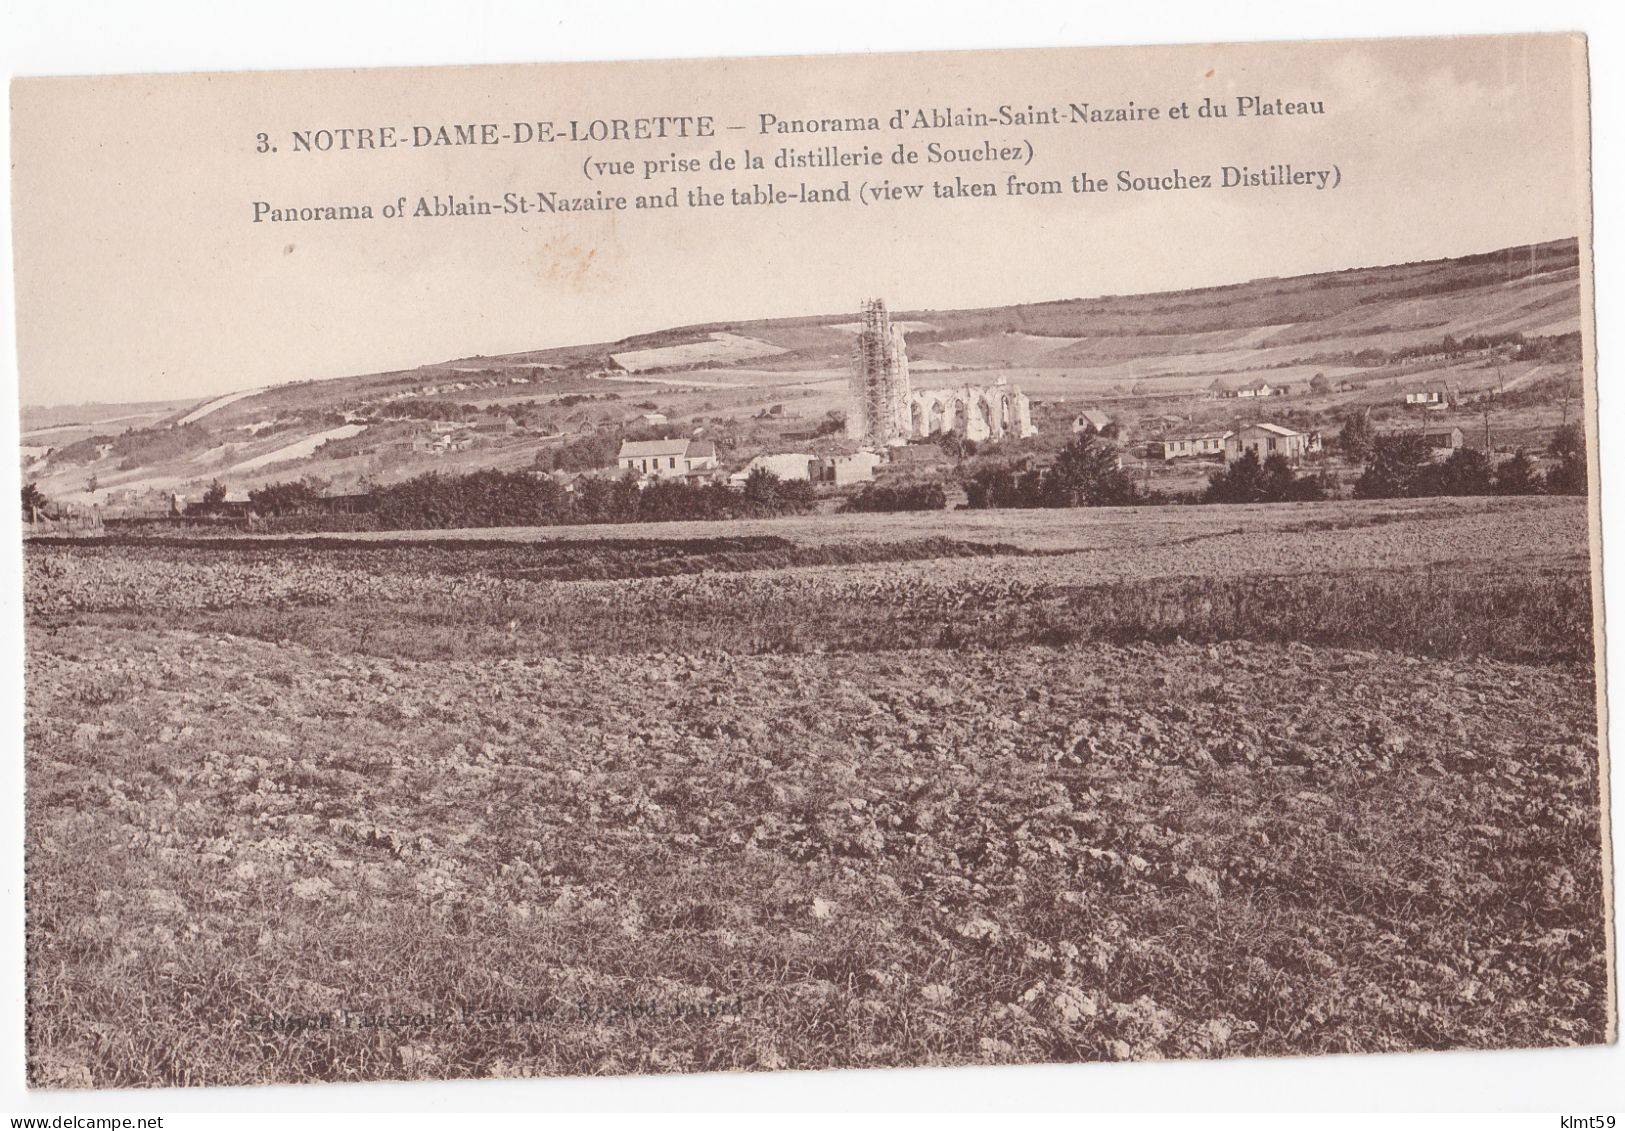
701	449
1274	429
639	449
1094	416
1191	438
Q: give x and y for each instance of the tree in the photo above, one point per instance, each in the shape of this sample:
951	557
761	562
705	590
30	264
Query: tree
1568	442
1241	481
1394	467
1276	482
33	500
1466	472
1569	475
1319	384
762	488
283	498
213	496
1086	474
1246	480
879	498
1516	476
1357	437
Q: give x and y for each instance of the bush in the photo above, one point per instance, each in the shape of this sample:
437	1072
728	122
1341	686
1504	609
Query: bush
882	499
1085	474
1248	481
1569	475
1394	467
1517	476
1402	467
515	498
292	497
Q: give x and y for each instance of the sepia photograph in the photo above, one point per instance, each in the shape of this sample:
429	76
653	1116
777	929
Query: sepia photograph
881	561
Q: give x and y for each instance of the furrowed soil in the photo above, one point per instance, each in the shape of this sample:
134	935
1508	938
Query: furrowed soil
1228	781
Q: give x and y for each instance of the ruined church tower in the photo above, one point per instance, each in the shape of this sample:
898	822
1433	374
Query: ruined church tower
880	389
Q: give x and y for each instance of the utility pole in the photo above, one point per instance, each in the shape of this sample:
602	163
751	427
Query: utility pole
1487	449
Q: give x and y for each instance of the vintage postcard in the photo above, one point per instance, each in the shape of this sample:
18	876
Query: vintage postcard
813	562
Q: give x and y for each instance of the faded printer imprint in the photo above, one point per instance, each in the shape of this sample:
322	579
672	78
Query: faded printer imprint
940	668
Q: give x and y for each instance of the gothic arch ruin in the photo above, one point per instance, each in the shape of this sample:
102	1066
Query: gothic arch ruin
886	409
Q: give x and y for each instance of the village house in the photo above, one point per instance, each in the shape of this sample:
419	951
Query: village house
1252	389
1265	440
666	459
1090	418
1444	438
1431	397
236	504
1187	447
497	426
438	442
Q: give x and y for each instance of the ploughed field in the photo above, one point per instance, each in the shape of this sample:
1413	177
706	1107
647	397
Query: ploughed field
942	789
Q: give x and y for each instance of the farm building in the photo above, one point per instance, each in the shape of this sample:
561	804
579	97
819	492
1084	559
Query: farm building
843	470
498	426
1252	389
440	441
666	458
1266	440
1187	447
1440	439
236	504
786	465
1090	418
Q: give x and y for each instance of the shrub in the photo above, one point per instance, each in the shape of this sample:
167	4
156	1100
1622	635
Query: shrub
1246	480
1085	474
1517	476
882	499
1394	467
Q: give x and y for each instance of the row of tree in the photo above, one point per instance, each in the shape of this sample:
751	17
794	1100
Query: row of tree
1402	466
880	498
512	498
1086	473
1246	480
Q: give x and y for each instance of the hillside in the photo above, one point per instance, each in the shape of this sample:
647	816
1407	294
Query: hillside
755	385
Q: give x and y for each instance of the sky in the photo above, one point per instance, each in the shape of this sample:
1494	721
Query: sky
140	274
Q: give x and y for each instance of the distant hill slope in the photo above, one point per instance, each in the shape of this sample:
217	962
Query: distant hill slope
1064	349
